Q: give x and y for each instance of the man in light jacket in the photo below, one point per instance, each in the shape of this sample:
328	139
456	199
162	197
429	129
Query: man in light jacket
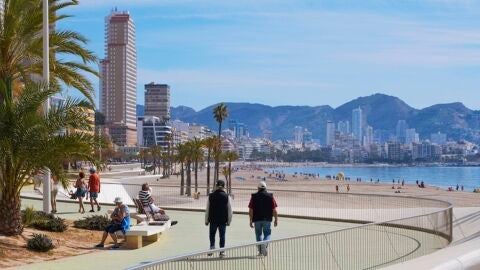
218	214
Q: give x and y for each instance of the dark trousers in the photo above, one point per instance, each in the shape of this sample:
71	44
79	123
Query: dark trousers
213	231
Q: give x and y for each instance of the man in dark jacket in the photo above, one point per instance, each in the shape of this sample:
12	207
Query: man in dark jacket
263	209
218	214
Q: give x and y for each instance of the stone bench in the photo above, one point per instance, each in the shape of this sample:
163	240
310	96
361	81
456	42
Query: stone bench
150	233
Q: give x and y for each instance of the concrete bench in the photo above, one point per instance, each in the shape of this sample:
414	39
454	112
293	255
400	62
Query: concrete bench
135	236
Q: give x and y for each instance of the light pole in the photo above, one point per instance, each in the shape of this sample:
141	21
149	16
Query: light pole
46	78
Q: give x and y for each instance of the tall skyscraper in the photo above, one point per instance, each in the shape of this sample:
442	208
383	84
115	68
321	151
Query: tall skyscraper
118	94
330	138
411	136
368	138
357	124
401	130
298	135
343	127
157	100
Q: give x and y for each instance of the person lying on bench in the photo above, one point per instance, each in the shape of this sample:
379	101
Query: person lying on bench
149	206
120	222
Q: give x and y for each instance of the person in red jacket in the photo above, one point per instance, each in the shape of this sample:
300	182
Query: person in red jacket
94	188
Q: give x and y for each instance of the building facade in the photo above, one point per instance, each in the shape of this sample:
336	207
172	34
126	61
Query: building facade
357	124
118	93
157	100
330	138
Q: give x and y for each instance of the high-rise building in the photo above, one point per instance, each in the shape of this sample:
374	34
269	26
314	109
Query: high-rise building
401	130
118	93
330	138
156	132
357	124
411	136
307	137
368	138
298	135
343	127
157	100
438	138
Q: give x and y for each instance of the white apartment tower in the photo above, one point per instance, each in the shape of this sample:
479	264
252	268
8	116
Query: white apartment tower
330	138
357	124
118	84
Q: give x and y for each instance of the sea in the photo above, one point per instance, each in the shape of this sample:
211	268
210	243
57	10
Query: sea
443	177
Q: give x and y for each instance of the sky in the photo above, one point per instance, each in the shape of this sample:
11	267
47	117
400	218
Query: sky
302	52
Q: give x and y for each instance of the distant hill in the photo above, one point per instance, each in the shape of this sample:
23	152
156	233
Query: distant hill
382	112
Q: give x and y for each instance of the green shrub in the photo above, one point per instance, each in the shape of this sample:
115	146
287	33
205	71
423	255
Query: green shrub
29	215
40	243
94	223
51	225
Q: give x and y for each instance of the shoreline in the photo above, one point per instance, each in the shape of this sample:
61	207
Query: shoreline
352	165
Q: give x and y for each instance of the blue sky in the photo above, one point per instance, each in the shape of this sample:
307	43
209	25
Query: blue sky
310	52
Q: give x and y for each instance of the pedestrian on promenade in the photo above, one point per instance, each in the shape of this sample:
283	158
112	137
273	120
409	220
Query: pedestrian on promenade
81	190
336	188
262	210
94	188
218	215
54	193
348	187
458	187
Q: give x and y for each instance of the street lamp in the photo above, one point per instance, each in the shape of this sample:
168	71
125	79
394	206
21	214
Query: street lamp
46	78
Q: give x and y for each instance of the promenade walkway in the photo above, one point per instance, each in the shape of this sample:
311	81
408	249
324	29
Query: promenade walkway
190	235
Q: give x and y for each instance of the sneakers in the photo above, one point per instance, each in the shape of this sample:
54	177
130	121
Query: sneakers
173	223
210	254
117	246
98	208
100	246
222	254
92	211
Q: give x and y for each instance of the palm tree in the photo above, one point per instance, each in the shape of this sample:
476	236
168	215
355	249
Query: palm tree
209	143
31	140
21	48
156	152
188	160
182	153
230	156
197	155
220	113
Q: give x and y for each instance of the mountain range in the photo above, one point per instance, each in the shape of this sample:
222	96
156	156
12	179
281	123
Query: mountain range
382	112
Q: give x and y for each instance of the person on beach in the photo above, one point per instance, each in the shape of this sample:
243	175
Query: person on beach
94	189
348	187
218	215
81	187
262	210
54	193
120	222
336	188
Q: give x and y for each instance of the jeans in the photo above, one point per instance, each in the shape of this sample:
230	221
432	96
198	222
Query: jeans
263	227
213	231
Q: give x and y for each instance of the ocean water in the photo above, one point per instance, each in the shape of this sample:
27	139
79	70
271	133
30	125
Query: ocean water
443	177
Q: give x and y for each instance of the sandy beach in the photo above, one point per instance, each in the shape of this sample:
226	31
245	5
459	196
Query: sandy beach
247	176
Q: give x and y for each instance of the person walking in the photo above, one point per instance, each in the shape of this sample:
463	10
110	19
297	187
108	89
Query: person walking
262	210
81	190
94	188
54	192
218	215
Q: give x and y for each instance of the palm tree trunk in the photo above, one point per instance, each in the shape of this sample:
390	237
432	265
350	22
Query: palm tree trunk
196	175
230	177
189	178
217	159
182	179
10	217
208	172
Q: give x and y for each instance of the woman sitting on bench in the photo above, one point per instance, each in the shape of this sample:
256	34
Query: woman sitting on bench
149	206
147	201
